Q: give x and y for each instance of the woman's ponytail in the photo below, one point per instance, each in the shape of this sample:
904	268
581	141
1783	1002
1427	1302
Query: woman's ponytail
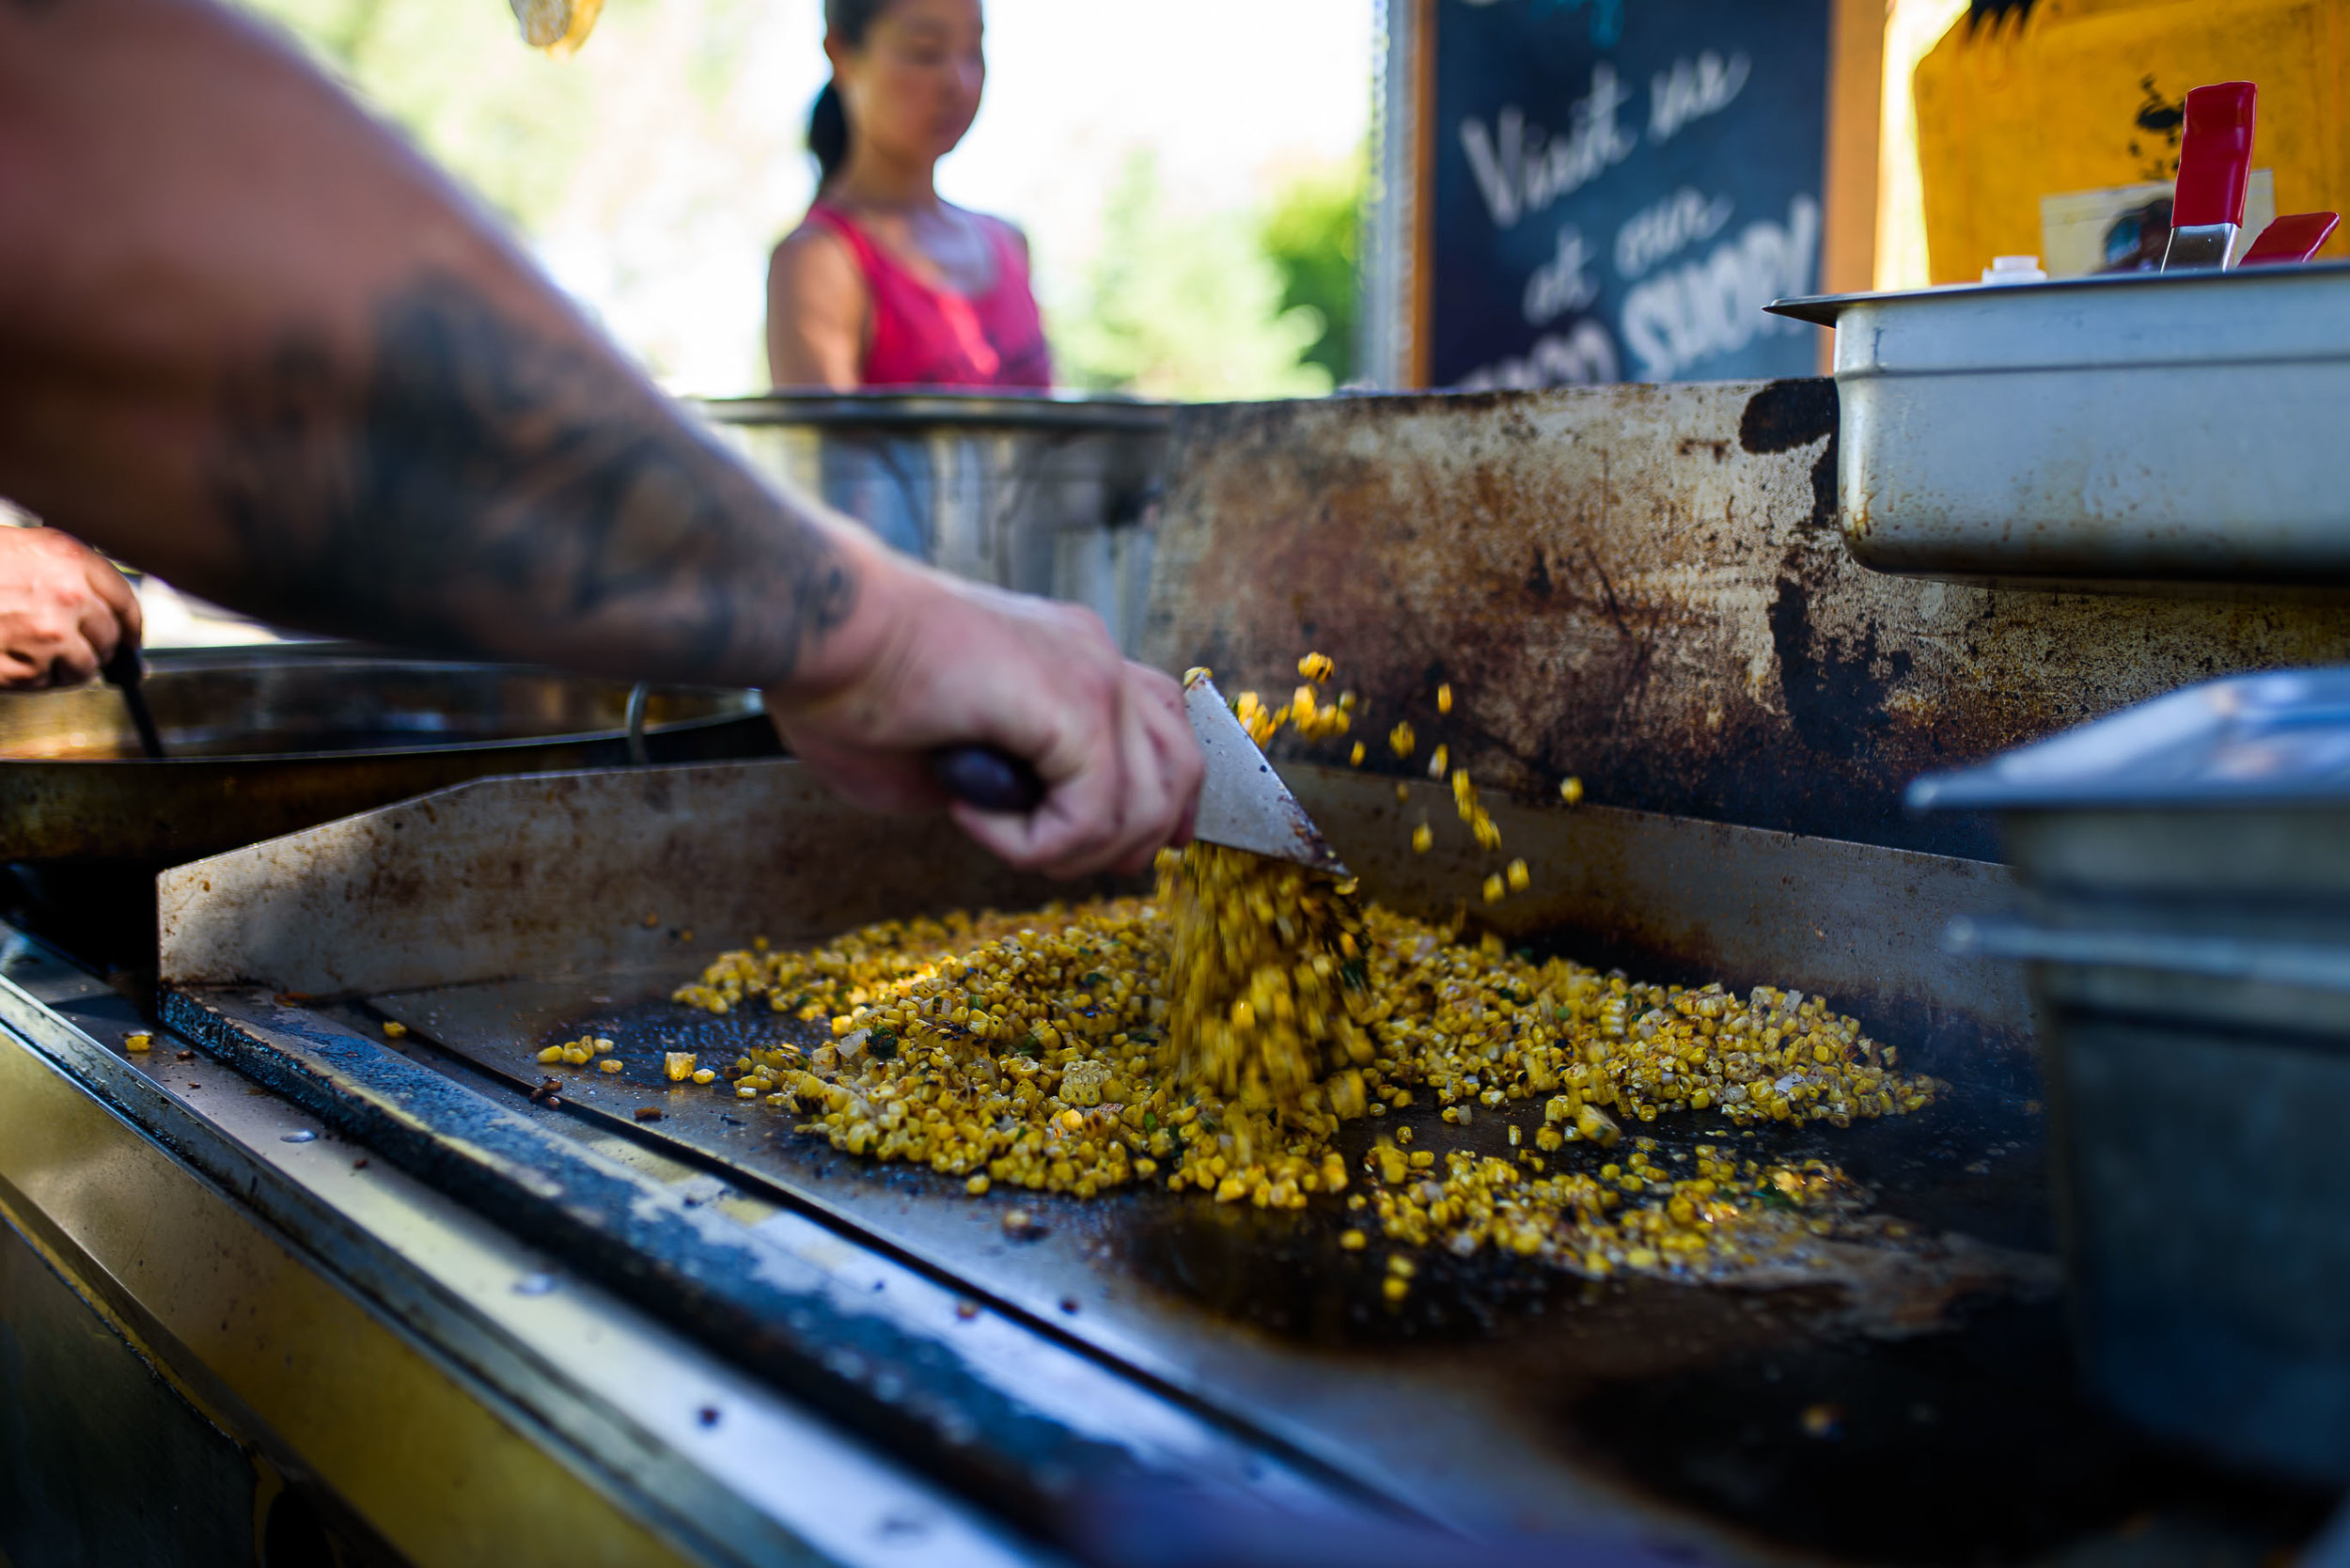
847	20
828	134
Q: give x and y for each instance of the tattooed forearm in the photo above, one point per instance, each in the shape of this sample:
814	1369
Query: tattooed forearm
478	488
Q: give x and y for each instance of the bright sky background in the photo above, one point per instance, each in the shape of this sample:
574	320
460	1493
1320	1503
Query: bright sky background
668	238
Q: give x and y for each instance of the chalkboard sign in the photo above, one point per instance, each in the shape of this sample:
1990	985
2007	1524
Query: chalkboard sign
1619	186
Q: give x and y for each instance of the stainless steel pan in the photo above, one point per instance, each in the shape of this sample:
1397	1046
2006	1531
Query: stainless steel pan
265	742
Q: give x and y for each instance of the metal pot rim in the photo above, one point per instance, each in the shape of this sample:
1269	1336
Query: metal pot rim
1054	411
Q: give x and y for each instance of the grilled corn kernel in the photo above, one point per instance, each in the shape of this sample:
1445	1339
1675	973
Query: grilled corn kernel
394	1028
1395	1289
1317	666
1355	757
147	1043
1402	741
608	1064
1422	837
551	1054
704	1075
1493	889
1216	1037
678	1065
977	1185
1444	699
1571	789
1436	760
1520	878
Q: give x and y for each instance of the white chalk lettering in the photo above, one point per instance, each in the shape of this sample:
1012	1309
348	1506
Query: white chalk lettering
1521	168
1585	356
1715	306
1560	284
1674	225
1693	89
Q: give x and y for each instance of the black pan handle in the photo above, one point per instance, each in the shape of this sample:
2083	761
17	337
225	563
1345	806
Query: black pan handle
990	779
124	671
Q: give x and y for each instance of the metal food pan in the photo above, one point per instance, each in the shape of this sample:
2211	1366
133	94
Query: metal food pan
2184	916
2174	428
265	741
497	918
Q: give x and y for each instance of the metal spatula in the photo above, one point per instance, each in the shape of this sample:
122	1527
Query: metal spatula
1242	802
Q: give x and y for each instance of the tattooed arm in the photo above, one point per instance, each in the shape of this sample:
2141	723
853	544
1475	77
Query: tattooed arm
256	345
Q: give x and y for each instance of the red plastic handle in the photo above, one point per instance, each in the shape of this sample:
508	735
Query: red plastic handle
2294	237
2215	155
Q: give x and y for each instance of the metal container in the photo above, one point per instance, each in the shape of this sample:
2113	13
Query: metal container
268	741
2175	428
1040	494
2186	917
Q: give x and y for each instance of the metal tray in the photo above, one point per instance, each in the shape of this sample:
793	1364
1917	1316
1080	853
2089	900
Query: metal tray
265	741
491	919
2186	920
2143	427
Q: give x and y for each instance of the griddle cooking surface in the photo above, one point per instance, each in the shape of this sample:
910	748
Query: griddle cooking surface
1927	1419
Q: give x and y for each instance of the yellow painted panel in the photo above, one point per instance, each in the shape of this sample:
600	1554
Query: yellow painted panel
2076	97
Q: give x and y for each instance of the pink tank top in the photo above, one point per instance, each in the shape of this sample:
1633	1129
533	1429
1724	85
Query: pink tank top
928	337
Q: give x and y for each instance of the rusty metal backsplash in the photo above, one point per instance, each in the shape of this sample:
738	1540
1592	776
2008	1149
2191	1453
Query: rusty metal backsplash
1644	586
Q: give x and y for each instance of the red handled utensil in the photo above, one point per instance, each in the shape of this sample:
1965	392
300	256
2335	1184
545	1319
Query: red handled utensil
2215	170
2293	238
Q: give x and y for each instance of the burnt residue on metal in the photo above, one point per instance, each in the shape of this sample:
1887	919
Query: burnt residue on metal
1644	586
915	1396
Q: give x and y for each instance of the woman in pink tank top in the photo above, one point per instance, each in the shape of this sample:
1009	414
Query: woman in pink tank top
885	284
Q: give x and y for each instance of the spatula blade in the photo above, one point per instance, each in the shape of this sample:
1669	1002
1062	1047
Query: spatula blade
1242	802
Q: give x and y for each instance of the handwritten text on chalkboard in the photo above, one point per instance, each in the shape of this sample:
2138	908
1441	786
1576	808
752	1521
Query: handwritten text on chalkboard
1620	186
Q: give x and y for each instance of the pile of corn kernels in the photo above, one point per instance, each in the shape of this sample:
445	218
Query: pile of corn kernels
1215	1038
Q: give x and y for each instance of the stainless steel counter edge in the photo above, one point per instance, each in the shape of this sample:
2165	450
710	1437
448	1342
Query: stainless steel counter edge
518	1421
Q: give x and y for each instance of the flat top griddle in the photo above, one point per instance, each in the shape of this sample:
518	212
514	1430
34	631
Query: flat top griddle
1918	1412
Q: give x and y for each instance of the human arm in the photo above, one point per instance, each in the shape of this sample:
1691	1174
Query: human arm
259	345
63	610
818	310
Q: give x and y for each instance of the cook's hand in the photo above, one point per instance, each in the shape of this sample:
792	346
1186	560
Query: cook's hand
63	610
964	664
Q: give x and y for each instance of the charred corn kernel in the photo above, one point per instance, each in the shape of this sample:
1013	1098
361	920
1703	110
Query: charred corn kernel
551	1054
1402	741
1571	789
394	1028
1444	699
1353	1240
147	1043
1520	879
608	1065
704	1075
1422	837
1317	666
1493	889
1355	757
1436	760
1080	1049
679	1065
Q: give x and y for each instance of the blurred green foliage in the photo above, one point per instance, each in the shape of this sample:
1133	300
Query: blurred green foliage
1217	305
1314	236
